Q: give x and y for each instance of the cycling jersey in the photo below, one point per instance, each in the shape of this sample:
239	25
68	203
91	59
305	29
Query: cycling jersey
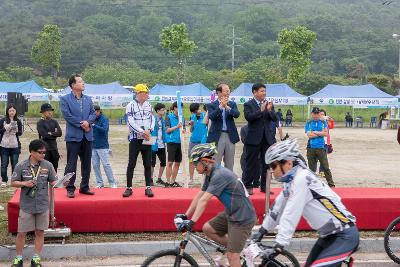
304	194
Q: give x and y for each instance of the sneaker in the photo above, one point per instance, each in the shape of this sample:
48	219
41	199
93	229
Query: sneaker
219	262
127	193
160	181
148	192
3	184
175	184
114	186
250	191
99	186
166	184
17	262
35	262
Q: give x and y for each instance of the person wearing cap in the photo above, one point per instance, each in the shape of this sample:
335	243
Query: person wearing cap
101	149
49	130
141	124
78	112
316	129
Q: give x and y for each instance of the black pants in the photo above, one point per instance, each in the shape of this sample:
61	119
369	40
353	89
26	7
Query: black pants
83	149
7	155
255	155
53	156
333	249
135	146
319	154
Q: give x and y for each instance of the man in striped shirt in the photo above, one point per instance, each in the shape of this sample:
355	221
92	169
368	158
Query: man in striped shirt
141	123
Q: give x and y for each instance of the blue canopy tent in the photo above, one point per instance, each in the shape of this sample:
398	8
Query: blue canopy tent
30	89
357	96
110	95
280	94
353	95
190	93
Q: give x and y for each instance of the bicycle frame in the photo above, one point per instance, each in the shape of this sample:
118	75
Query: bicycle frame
199	243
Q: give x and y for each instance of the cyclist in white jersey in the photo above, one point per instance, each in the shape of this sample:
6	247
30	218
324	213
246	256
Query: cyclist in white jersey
304	194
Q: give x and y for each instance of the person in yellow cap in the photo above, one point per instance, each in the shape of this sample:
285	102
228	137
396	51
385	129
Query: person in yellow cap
141	122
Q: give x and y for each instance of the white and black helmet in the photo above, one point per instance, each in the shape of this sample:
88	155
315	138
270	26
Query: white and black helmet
285	150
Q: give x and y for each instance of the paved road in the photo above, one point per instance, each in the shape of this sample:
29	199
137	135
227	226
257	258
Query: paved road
368	260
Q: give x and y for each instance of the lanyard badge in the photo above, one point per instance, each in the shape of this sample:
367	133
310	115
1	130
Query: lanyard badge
32	191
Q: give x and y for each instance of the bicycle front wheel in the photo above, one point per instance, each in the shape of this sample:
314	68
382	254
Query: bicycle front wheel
391	240
283	259
169	258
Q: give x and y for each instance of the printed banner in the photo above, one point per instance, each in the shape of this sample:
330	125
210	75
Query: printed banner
355	101
30	97
184	99
275	100
116	101
237	99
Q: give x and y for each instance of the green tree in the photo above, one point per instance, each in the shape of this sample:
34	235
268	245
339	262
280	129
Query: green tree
295	50
18	73
175	38
264	70
46	50
4	76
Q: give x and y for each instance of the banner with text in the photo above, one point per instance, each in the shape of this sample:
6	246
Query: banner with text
355	101
237	99
116	101
30	97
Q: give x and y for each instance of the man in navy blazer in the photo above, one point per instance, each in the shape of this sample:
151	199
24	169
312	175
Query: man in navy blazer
223	131
259	114
79	115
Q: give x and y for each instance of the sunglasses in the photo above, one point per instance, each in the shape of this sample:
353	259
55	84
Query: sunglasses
273	165
43	152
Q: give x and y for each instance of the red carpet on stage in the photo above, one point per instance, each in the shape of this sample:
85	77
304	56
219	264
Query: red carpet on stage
108	211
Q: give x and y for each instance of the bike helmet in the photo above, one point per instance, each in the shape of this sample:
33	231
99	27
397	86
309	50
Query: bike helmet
285	150
203	151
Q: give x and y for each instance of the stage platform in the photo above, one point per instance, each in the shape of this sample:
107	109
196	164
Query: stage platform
108	211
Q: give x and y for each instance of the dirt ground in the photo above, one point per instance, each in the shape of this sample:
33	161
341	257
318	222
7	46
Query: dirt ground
362	157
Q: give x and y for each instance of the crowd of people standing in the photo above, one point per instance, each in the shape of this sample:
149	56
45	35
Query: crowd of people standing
154	133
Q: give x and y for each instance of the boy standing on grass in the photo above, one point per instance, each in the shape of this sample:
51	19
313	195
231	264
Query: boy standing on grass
173	126
198	130
158	149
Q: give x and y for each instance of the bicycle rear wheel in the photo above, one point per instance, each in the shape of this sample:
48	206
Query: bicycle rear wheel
169	258
391	240
283	259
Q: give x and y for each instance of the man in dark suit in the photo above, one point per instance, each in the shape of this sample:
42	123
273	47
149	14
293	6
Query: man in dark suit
259	114
223	129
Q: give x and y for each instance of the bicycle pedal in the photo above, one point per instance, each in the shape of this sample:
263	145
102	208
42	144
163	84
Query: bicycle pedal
349	261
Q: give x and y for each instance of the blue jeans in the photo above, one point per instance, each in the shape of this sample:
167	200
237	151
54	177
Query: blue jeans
102	155
8	154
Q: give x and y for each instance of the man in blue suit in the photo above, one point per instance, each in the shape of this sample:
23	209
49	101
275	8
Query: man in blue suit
79	115
223	132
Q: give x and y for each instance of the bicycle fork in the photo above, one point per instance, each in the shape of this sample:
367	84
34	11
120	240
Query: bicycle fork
179	257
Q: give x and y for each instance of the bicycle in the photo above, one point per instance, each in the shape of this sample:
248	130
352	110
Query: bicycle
392	238
178	257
